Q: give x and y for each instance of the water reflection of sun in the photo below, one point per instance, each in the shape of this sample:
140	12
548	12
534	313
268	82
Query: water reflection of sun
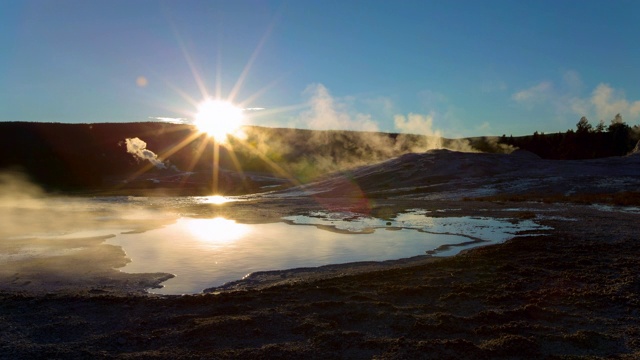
218	231
216	200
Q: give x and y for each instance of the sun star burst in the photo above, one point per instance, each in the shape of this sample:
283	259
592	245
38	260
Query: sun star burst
218	119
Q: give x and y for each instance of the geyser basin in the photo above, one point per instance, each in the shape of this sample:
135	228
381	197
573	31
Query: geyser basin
203	253
169	235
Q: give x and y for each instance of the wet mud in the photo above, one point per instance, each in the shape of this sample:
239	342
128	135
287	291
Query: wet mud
573	293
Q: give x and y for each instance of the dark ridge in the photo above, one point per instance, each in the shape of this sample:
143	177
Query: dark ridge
93	156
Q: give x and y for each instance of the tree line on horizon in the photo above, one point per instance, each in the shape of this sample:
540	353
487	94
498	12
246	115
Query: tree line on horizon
585	142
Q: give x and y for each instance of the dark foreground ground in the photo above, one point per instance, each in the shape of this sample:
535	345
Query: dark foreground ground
572	294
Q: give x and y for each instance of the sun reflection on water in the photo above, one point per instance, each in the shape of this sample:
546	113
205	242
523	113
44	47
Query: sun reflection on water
216	199
218	231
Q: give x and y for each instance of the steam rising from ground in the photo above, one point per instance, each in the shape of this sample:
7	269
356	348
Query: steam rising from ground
417	133
26	209
326	113
345	138
309	154
51	242
419	124
15	190
139	149
329	113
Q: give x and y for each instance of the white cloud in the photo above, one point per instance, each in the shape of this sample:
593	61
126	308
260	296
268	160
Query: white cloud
607	102
328	113
535	94
580	106
569	103
604	103
560	97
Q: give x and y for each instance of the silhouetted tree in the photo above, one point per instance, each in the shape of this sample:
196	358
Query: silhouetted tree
583	126
617	119
585	142
580	147
620	136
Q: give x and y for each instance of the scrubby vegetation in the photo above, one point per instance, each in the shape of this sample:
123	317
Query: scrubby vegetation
70	157
94	156
625	198
586	142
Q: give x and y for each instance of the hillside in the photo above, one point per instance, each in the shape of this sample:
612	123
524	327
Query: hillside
90	157
444	174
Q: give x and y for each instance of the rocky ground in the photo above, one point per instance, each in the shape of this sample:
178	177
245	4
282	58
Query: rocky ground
573	293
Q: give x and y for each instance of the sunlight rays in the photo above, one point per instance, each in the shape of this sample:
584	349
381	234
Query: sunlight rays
216	168
236	163
247	67
194	71
217	119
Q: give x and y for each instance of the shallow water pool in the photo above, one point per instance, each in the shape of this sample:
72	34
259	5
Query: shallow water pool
204	253
165	235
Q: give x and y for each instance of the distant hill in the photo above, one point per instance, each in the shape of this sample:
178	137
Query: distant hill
90	157
444	174
77	156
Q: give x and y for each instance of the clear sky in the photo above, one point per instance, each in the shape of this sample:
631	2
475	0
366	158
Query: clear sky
456	68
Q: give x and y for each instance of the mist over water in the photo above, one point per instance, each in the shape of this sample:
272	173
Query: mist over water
57	242
26	210
64	237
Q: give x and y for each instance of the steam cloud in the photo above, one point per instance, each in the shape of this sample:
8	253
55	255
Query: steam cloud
347	138
329	113
419	124
42	252
533	95
139	149
326	113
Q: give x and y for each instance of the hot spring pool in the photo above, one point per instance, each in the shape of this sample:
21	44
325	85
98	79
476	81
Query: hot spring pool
204	253
166	235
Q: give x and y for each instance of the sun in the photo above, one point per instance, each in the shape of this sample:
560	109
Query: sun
218	119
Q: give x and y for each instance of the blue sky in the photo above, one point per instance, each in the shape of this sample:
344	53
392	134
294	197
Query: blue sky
454	68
